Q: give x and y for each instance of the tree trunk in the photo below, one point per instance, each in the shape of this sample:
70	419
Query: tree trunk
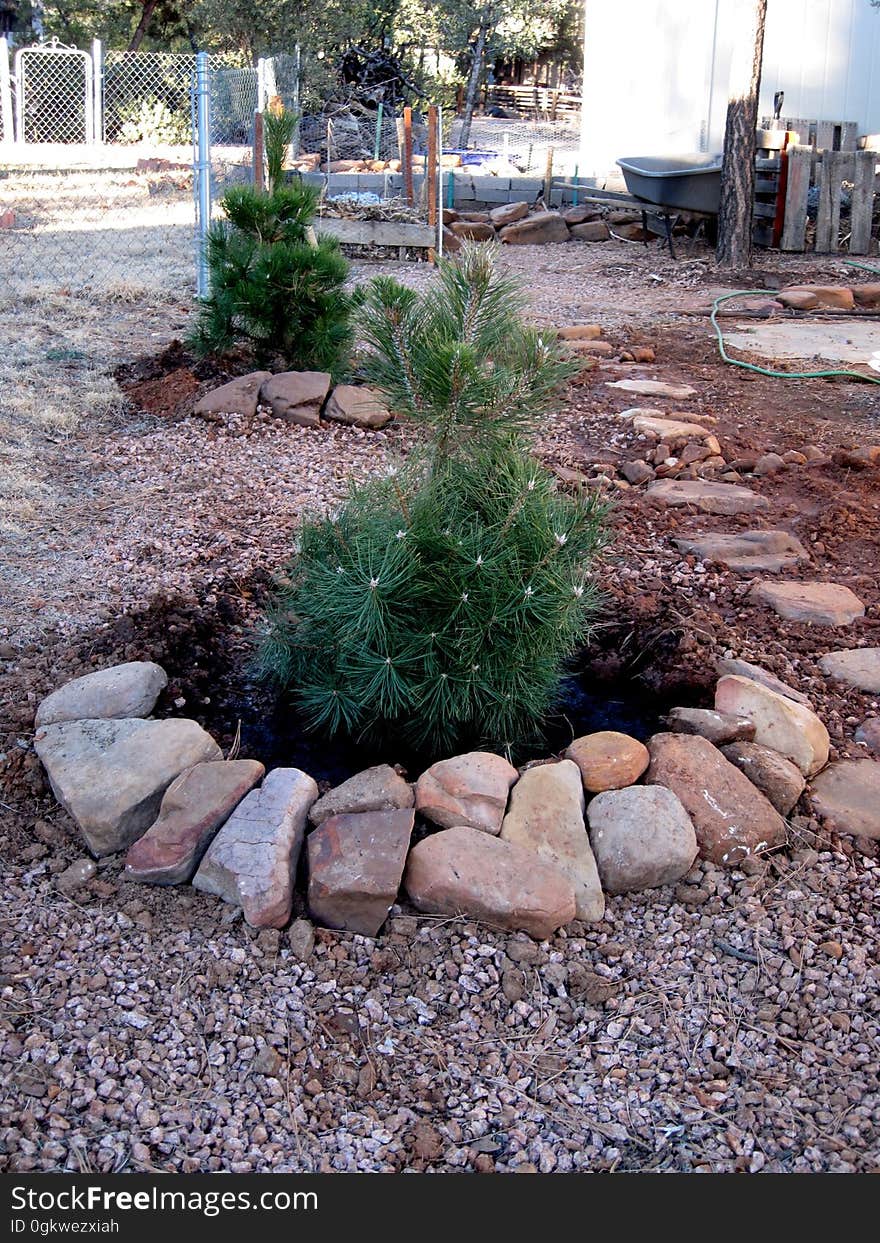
140	30
470	99
734	248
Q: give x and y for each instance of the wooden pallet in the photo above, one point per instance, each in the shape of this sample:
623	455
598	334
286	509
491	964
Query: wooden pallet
828	170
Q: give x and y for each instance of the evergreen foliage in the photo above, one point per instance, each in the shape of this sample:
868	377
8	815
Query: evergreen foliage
440	604
279	127
272	288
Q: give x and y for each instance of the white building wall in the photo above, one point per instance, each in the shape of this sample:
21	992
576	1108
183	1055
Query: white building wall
656	71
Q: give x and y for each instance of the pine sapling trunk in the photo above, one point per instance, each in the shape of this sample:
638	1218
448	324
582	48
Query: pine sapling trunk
734	248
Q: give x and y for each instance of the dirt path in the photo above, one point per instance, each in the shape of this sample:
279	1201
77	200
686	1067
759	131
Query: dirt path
730	1023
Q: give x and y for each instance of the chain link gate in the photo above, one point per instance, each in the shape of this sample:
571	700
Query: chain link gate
54	95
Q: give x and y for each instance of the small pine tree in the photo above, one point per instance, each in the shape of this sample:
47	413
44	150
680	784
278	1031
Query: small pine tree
440	604
272	288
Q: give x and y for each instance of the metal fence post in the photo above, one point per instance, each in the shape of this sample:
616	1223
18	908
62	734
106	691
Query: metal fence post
98	88
19	97
261	84
203	170
6	92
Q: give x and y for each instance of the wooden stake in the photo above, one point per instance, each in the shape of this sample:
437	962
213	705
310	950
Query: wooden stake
431	171
258	151
408	157
548	178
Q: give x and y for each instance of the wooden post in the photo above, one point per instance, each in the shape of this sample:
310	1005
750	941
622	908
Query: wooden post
258	151
431	172
377	145
408	157
548	177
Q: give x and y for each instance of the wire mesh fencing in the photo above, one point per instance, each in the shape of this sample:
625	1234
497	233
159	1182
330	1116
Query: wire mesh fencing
147	99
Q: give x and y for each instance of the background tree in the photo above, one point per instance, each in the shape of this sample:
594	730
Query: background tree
734	248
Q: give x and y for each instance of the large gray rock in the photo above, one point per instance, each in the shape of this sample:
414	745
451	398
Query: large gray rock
868	735
847	796
747	551
468	789
546	815
239	396
375	789
107	694
777	778
463	871
780	723
858	667
819	604
355	404
355	866
702	494
252	860
731	818
193	809
297	396
642	837
545	226
110	775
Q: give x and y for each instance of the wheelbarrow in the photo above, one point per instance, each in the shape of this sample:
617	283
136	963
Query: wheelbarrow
675	183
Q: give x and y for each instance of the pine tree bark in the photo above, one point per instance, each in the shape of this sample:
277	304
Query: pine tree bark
141	28
734	248
470	99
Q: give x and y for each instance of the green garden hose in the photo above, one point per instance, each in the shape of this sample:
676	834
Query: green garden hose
777	375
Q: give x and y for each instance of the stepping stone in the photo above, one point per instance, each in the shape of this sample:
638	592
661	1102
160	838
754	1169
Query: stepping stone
642	837
670	431
357	405
718	727
847	796
731	818
110	775
653	388
375	789
780	723
355	866
818	604
776	777
193	809
128	690
711	498
858	667
252	861
608	760
748	550
547	816
467	872
297	396
579	332
239	396
745	669
468	790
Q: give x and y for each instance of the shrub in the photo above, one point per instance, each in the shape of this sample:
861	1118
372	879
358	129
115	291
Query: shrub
152	122
273	288
440	604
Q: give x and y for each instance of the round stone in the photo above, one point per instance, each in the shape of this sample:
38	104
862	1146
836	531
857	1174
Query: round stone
608	760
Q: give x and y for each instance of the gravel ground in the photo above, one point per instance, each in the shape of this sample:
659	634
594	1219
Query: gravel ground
727	1023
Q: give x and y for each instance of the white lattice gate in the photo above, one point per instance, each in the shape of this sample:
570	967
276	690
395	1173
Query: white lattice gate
54	94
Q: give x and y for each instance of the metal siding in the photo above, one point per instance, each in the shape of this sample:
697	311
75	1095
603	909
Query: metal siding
656	72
